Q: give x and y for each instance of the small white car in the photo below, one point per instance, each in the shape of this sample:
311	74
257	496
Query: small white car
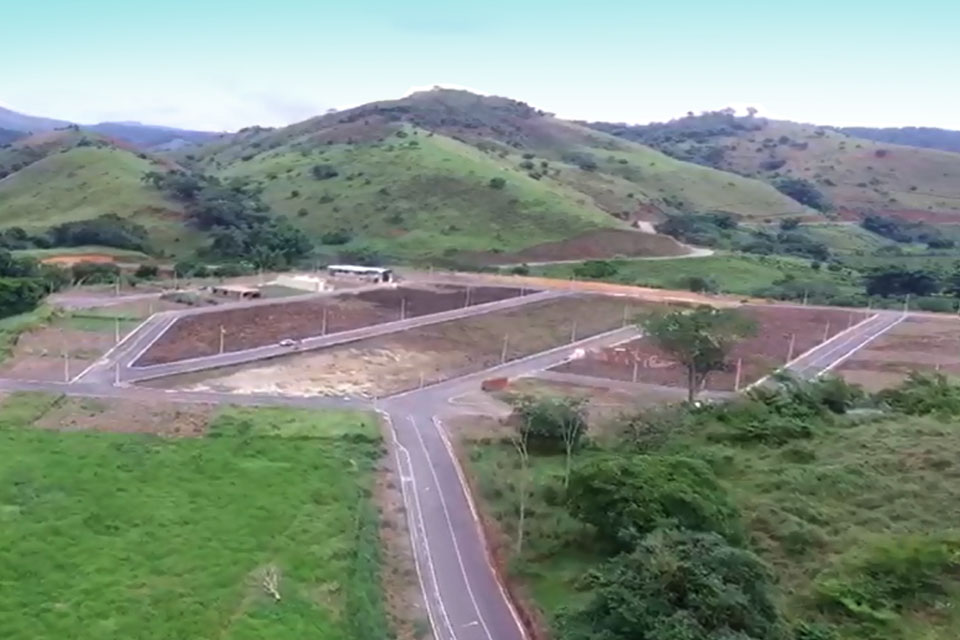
288	342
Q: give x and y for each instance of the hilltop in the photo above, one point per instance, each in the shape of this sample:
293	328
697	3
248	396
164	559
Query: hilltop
446	172
927	137
856	175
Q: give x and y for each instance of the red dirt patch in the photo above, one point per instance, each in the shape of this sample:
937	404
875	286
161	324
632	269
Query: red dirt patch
760	354
592	245
255	326
70	260
918	344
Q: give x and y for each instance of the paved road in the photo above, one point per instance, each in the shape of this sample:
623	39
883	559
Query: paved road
837	349
119	363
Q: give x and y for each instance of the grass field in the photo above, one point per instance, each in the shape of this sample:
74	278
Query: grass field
845	238
810	509
732	273
122	255
109	535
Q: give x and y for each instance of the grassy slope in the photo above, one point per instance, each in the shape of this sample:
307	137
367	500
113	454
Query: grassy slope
846	238
652	176
904	178
735	273
862	483
421	200
134	536
85	182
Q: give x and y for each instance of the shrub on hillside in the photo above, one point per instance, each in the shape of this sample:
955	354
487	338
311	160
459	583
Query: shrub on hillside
595	269
324	171
804	192
497	183
625	498
924	394
337	237
679	585
146	271
874	584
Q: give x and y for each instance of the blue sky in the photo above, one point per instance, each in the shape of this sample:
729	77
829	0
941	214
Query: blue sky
223	65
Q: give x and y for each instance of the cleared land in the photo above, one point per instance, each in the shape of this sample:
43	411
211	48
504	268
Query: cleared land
178	537
921	344
601	244
247	327
392	363
769	349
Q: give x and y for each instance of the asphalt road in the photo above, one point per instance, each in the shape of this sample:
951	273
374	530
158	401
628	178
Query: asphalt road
836	350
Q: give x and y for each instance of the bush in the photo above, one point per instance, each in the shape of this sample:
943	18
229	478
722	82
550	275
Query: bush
699	284
595	269
924	394
340	236
146	271
627	498
109	230
497	183
804	192
679	585
874	584
19	295
324	171
95	273
520	270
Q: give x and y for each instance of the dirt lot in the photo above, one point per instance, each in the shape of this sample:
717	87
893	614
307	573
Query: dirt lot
389	364
604	243
40	354
761	354
256	326
127	416
923	344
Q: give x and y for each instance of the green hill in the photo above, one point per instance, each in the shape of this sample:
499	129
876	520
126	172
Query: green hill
856	175
413	176
69	175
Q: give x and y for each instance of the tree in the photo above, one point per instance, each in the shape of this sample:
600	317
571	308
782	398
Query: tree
19	295
700	339
897	281
497	183
520	441
595	269
553	424
626	498
804	192
324	171
147	271
679	585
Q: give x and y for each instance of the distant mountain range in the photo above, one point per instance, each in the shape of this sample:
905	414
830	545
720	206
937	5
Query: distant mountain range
14	125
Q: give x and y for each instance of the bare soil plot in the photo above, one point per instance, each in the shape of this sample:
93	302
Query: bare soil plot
62	349
389	364
255	326
917	344
602	243
769	349
123	415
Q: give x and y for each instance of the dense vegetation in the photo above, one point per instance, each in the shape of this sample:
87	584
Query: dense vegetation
24	283
788	514
108	230
264	528
239	223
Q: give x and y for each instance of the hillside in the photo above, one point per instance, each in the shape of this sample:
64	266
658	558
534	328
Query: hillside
927	137
16	121
8	135
855	174
413	176
71	175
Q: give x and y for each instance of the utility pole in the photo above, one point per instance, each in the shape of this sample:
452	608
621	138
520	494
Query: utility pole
466	301
503	352
736	380
793	340
116	375
323	325
573	332
66	365
421	379
636	368
804	297
906	304
116	290
116	330
222	334
826	331
403	308
626	313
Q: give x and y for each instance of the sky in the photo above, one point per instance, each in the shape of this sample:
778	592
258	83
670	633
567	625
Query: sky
224	65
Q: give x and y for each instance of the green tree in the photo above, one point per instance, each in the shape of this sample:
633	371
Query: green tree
679	585
626	498
497	183
553	424
700	339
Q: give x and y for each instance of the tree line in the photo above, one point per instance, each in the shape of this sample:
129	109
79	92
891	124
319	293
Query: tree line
107	230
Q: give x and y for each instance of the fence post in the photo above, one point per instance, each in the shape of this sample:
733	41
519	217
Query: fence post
736	380
503	352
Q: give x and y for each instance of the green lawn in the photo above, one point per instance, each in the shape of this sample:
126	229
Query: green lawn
808	507
732	273
134	536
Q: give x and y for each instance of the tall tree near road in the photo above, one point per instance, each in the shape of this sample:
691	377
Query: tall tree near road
700	339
